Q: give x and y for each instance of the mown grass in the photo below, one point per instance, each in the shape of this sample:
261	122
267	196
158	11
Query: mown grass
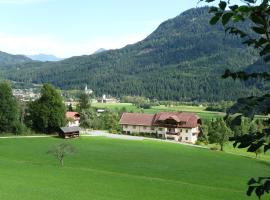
200	110
104	169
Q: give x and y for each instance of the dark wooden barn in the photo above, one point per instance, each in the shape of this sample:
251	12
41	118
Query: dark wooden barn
69	132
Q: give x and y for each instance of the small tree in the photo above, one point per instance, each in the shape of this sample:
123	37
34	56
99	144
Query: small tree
60	151
219	133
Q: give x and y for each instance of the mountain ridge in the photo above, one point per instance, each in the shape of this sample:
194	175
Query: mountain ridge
10	59
44	57
183	59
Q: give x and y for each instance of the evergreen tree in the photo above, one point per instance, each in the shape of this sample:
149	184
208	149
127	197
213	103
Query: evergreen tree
9	114
48	112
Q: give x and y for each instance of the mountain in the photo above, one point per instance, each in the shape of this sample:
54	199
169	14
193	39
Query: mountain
99	51
183	59
9	59
44	57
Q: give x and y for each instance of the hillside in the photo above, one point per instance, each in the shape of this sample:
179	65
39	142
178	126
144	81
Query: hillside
113	169
9	59
183	59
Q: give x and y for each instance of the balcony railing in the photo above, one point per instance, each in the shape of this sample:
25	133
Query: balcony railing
172	133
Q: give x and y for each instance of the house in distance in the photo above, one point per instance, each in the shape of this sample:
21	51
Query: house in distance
178	126
73	119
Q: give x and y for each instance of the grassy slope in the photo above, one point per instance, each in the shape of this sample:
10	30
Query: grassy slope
117	169
196	109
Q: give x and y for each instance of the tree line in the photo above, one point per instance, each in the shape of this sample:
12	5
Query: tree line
48	113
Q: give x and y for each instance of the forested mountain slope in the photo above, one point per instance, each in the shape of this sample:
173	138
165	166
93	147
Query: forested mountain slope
9	59
183	59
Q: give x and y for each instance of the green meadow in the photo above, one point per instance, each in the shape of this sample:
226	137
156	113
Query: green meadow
200	110
108	169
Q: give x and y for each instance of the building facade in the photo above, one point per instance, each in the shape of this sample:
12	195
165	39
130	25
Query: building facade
178	126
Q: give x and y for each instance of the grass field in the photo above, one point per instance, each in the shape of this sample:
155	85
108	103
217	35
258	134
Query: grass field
108	169
155	109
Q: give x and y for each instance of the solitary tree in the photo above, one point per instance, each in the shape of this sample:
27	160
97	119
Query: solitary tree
219	133
48	112
60	151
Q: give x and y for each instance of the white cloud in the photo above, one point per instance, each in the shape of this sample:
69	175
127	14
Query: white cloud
29	45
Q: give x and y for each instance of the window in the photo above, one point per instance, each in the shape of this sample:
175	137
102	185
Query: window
186	130
186	138
134	127
126	126
181	130
152	128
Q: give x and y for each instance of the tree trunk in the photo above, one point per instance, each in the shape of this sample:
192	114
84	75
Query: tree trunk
221	147
62	162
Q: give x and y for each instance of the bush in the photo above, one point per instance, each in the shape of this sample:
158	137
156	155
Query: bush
198	142
206	142
213	148
114	131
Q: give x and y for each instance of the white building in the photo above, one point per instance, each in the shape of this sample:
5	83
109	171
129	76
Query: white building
73	119
87	91
178	126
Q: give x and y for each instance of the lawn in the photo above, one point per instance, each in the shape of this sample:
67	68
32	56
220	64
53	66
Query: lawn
155	109
108	169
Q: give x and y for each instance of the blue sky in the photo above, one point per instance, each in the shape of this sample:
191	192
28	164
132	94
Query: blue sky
75	27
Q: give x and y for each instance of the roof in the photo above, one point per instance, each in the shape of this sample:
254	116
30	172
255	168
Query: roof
137	119
189	120
70	129
72	115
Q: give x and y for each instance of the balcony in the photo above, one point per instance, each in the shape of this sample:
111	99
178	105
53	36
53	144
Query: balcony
172	133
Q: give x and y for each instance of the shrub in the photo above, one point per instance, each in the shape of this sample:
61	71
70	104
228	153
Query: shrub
213	148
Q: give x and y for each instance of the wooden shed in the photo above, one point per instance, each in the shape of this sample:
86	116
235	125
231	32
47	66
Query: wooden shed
69	132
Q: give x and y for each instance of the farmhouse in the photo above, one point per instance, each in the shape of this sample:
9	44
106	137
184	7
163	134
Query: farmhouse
69	132
73	119
178	126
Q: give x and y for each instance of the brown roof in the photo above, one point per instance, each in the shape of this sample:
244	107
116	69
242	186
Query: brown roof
72	115
189	120
137	119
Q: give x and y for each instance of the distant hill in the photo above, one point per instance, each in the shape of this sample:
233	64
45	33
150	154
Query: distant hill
99	51
183	59
44	57
9	59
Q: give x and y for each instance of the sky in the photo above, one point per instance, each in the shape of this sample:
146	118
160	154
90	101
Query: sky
68	28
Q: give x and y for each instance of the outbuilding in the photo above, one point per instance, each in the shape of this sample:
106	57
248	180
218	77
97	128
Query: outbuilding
69	132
